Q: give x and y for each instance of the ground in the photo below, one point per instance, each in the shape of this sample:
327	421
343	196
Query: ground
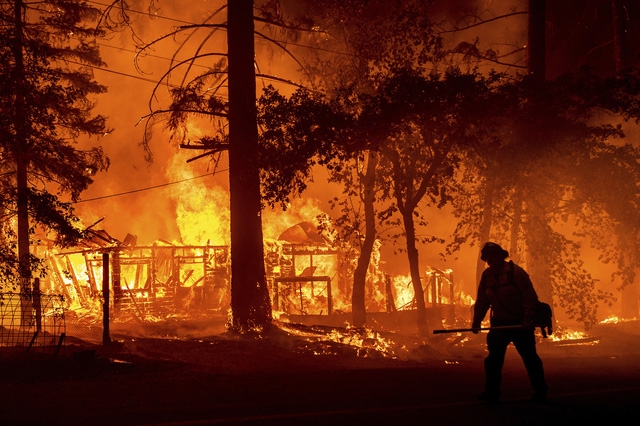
314	375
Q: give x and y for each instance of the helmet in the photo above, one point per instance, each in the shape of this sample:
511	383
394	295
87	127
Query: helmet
492	248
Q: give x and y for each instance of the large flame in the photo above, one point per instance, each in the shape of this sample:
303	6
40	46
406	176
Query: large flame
202	206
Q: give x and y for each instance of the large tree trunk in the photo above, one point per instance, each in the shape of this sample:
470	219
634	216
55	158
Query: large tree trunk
21	151
620	35
537	41
250	303
537	264
360	273
22	191
629	294
414	269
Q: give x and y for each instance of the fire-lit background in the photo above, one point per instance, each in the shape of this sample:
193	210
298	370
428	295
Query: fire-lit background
171	200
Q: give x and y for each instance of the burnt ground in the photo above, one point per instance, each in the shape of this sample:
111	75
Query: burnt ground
298	376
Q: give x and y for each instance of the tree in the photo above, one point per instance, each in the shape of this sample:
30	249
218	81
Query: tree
388	82
531	186
429	124
622	55
377	40
250	301
47	89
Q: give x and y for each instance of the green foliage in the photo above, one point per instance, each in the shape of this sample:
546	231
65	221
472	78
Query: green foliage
376	38
426	126
46	92
297	133
197	99
561	158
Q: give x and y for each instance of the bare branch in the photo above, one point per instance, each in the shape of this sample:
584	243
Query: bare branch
482	22
281	46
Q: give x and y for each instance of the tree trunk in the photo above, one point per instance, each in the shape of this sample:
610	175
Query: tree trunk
414	268
537	265
515	226
537	41
21	151
250	303
620	35
629	294
360	273
485	226
538	268
22	191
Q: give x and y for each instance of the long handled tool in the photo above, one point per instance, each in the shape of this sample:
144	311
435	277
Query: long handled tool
462	330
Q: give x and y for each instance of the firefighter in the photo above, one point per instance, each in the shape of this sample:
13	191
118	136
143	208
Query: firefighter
506	289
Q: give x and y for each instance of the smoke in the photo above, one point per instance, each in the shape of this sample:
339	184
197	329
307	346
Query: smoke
185	202
172	212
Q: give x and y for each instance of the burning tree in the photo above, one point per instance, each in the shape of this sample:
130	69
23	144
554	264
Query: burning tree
47	49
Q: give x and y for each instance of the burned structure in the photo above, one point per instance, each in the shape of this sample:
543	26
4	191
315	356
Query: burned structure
310	282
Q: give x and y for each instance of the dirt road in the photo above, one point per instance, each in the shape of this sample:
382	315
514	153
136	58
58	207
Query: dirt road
221	380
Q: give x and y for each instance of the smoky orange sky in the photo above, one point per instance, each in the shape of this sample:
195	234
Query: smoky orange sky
172	200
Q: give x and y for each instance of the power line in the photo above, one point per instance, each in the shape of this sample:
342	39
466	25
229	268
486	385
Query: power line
150	15
137	77
149	188
284	42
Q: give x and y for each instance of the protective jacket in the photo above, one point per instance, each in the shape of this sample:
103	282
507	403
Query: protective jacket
510	295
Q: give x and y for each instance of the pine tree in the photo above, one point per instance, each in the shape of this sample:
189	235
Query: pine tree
46	99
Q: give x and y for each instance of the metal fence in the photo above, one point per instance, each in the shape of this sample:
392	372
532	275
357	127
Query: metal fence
31	322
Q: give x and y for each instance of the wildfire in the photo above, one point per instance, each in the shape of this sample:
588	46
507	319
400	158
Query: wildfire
366	343
573	337
404	291
202	207
189	270
616	320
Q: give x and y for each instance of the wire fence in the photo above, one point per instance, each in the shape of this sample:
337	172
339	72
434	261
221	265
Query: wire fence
31	322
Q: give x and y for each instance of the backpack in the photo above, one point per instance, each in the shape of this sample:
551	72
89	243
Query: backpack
543	313
543	318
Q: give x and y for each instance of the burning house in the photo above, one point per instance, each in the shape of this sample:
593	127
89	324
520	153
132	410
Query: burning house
308	278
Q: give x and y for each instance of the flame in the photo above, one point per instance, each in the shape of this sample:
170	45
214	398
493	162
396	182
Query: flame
275	221
560	335
613	319
404	291
202	206
367	343
573	337
366	339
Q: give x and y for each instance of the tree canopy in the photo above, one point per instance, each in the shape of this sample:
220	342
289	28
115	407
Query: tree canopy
47	94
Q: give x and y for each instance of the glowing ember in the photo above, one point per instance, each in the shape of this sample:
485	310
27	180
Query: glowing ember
572	337
567	335
615	320
611	320
365	342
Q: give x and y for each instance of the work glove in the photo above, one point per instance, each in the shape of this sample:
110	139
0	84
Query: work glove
476	328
